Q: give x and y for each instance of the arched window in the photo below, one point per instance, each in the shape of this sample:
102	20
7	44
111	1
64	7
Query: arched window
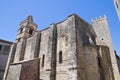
60	57
31	31
43	59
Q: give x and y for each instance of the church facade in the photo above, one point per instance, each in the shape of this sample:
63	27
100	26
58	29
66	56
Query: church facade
69	50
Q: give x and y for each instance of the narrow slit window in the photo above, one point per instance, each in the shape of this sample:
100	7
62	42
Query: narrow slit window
60	57
43	59
99	62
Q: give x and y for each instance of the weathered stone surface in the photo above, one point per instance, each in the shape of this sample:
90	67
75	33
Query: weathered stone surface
101	29
10	60
18	51
28	49
53	53
86	51
26	30
45	50
66	43
67	51
36	45
32	45
24	71
30	70
14	72
91	66
118	61
105	66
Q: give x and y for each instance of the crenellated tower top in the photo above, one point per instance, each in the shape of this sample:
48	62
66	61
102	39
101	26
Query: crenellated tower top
98	19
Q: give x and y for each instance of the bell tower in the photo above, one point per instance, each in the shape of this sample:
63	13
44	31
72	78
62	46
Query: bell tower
27	29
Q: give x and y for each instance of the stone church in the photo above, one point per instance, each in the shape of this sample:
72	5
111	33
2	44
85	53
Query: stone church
68	50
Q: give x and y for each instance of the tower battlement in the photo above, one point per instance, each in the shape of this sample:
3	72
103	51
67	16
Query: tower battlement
99	18
101	28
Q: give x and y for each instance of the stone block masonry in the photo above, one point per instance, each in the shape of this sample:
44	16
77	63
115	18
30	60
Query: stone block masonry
67	50
101	28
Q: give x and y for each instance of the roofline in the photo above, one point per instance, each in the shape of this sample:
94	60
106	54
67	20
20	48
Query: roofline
1	40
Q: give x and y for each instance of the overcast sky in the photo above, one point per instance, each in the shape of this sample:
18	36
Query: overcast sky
45	12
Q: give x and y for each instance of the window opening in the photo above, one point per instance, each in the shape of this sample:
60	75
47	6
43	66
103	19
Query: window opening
18	39
60	57
21	29
0	47
31	31
99	62
43	59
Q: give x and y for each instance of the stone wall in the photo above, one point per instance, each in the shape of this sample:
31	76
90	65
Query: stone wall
14	72
101	28
66	50
32	45
45	53
104	63
118	61
10	60
24	71
86	51
18	51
